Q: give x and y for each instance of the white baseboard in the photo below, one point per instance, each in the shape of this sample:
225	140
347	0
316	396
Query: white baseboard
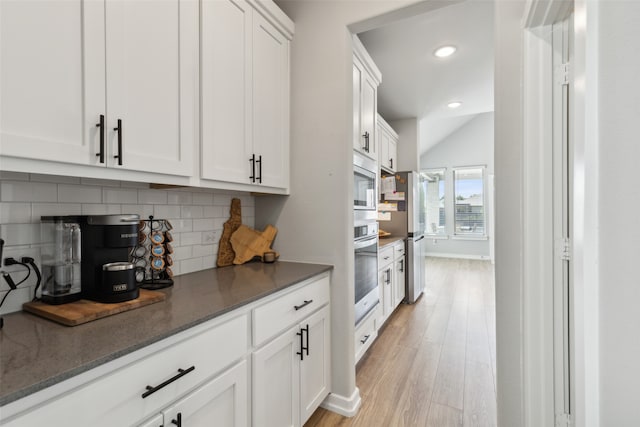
346	406
460	256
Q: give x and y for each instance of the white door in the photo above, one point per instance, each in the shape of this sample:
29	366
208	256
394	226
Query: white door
276	381
220	402
386	276
315	365
152	81
383	146
226	34
52	74
270	104
398	285
393	154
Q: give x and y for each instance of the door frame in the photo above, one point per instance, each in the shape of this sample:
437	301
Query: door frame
537	79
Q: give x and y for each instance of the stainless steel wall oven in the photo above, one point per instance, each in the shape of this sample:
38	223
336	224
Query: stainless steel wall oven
366	268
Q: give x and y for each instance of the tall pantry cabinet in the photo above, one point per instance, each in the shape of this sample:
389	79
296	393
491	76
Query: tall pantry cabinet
100	83
366	79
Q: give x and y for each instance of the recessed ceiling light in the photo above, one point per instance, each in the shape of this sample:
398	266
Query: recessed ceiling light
444	51
454	104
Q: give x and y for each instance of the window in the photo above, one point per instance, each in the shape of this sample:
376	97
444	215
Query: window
468	195
435	202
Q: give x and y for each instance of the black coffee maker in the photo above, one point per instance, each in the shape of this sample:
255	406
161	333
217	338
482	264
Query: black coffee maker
107	274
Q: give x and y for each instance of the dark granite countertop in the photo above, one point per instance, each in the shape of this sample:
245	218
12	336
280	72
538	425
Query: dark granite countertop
384	241
36	353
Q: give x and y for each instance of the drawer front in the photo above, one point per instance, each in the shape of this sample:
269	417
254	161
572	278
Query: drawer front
366	333
281	313
398	250
116	399
385	256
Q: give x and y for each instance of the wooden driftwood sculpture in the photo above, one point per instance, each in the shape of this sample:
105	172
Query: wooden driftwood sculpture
248	243
226	254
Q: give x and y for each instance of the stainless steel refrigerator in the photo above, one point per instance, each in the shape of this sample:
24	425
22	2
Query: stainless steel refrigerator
408	220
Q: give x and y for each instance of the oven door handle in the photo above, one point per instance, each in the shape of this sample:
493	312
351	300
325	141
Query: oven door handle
359	244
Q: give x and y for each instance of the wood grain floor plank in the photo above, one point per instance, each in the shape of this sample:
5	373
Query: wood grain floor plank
433	363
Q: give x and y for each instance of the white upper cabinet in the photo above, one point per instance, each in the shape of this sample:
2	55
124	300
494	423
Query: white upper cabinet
388	143
245	95
52	72
100	83
152	74
366	78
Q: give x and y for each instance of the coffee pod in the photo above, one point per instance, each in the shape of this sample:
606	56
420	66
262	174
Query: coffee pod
169	272
157	237
157	263
168	237
169	260
157	250
169	248
142	237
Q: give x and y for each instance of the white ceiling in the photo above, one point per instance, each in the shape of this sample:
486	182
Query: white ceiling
417	84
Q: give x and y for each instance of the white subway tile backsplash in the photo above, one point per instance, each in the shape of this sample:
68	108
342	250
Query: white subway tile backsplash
100	209
179	198
166	211
51	209
152	197
188	239
205	224
20	234
192	212
203	198
79	194
216	212
15	212
197	216
25	191
54	179
143	210
120	195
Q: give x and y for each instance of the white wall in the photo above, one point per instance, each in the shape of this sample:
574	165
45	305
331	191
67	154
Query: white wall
471	145
408	144
619	235
197	216
508	169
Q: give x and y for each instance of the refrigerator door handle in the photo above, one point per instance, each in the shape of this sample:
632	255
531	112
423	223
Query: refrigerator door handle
418	239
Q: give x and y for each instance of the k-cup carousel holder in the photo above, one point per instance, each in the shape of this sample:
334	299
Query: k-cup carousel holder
152	255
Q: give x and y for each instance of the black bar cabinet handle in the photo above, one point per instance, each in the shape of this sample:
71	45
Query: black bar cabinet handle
366	141
307	333
152	389
402	266
259	169
306	303
301	352
365	339
101	126
178	420
391	161
119	130
253	168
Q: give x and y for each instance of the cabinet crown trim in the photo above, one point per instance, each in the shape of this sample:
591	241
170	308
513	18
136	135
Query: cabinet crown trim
361	53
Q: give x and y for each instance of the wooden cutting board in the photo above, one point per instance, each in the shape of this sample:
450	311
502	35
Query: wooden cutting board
83	311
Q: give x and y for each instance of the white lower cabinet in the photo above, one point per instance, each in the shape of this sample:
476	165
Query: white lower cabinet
221	401
366	332
201	377
291	373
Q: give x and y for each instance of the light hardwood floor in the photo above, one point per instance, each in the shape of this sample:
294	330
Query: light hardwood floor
433	363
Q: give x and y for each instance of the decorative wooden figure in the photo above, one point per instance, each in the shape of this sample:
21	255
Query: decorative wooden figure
226	255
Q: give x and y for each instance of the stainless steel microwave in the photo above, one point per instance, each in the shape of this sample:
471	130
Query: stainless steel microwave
365	196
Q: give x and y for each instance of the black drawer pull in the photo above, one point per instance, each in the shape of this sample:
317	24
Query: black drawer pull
306	302
259	177
101	126
178	420
118	129
253	168
181	373
366	338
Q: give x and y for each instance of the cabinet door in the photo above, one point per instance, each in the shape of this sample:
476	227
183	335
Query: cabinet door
276	382
221	401
156	421
152	84
393	154
387	278
358	141
52	72
270	103
226	33
399	282
369	111
383	148
315	366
